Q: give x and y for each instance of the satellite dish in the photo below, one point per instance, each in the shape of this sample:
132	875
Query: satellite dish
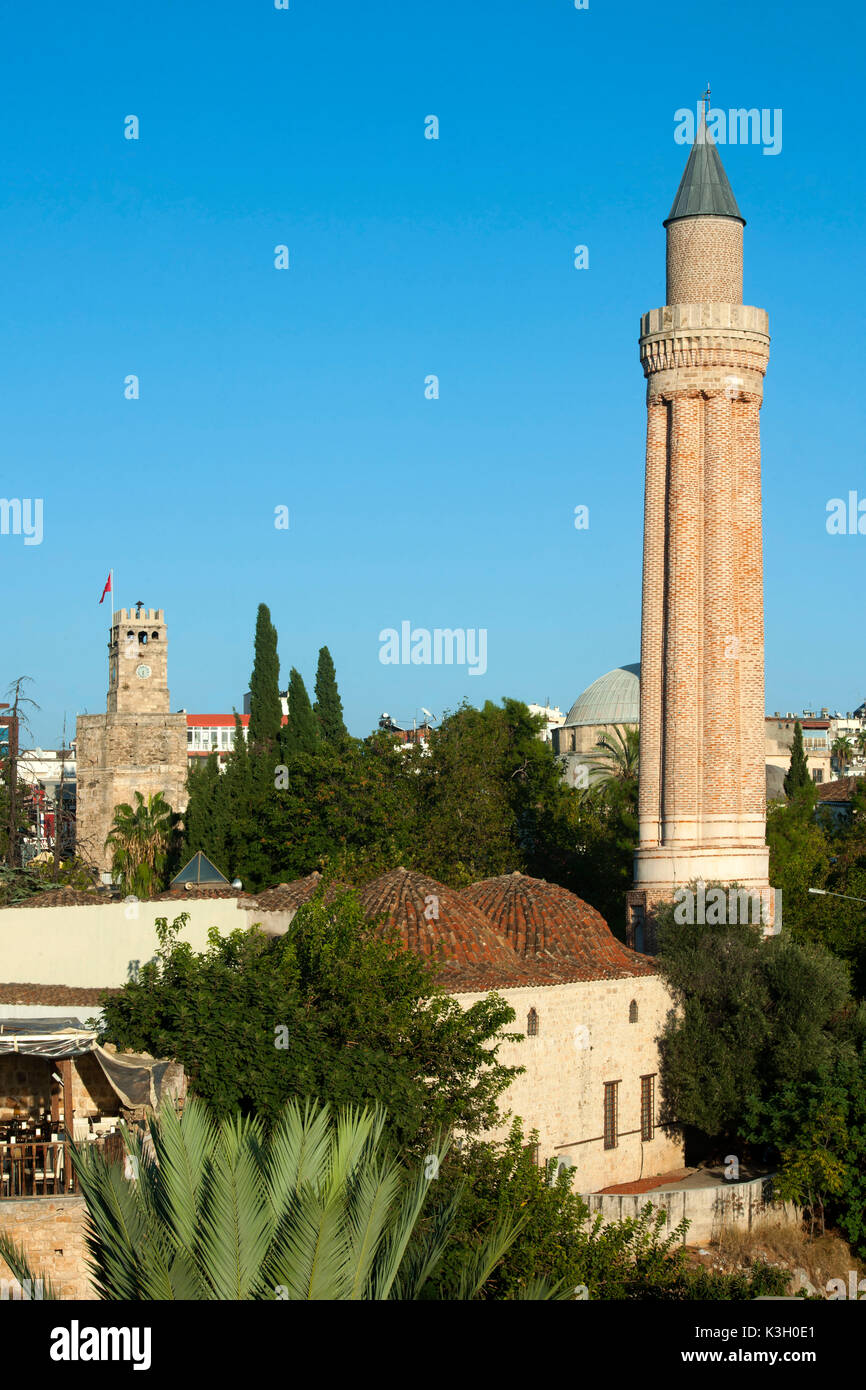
428	712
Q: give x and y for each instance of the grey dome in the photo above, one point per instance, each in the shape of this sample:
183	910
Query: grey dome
613	699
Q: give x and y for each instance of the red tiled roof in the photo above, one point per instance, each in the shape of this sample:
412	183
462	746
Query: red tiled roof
62	897
287	897
542	920
843	789
51	994
221	721
215	721
438	922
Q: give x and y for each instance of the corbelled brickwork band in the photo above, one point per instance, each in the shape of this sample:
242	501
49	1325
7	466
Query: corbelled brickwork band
704	354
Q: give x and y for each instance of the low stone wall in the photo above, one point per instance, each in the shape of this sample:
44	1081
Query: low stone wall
708	1209
51	1231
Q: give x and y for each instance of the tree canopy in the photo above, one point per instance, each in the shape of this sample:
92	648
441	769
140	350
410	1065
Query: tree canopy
330	1011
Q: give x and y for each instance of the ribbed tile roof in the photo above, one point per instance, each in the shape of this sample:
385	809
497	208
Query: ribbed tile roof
439	922
288	896
52	994
542	920
62	897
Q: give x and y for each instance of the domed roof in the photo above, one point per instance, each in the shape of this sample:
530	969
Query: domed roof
440	922
613	699
542	920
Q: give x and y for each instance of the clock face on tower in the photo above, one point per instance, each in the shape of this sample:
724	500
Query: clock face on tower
142	672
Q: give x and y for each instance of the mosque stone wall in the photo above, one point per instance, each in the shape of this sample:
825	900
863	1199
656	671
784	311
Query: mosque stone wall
585	1039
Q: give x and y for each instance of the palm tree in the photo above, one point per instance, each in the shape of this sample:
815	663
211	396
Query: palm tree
139	839
860	740
843	752
314	1209
618	755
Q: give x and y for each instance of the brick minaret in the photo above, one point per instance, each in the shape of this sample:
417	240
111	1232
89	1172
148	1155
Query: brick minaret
704	354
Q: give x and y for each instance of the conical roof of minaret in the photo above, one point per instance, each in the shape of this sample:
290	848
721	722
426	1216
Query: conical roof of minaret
704	190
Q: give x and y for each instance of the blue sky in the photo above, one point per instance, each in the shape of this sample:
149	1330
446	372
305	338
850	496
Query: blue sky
408	257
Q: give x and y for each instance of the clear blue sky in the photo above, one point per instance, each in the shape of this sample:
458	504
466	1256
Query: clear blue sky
408	257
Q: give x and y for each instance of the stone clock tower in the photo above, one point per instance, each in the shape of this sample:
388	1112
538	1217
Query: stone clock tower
138	744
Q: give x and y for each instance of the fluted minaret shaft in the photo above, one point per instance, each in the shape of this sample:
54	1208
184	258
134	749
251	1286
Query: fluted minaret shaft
704	354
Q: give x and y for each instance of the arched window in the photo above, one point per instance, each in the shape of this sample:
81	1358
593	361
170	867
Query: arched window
632	1011
154	637
130	635
142	637
532	1024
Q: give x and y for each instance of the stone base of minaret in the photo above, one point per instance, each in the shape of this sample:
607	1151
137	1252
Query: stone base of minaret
741	872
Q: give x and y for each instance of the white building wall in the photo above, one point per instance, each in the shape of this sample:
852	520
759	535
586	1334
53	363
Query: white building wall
103	945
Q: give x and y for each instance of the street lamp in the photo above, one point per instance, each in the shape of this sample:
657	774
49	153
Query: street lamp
826	893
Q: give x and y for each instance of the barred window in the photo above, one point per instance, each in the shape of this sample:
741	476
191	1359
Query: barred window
632	1011
532	1024
611	1109
647	1108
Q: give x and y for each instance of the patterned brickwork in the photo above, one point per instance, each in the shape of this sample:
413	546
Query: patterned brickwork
702	783
705	261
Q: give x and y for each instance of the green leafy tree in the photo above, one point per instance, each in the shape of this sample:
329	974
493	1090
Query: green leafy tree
204	828
559	1242
489	796
616	756
349	808
266	713
597	859
140	840
329	1010
806	853
316	1208
797	778
753	1015
301	733
328	708
817	1124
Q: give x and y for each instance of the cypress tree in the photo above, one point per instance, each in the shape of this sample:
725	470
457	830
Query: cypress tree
798	776
265	711
301	733
328	708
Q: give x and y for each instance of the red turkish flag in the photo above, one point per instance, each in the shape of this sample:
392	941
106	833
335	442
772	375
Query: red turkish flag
107	589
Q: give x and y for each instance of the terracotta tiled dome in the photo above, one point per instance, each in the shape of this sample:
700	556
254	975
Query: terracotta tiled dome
542	920
474	956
